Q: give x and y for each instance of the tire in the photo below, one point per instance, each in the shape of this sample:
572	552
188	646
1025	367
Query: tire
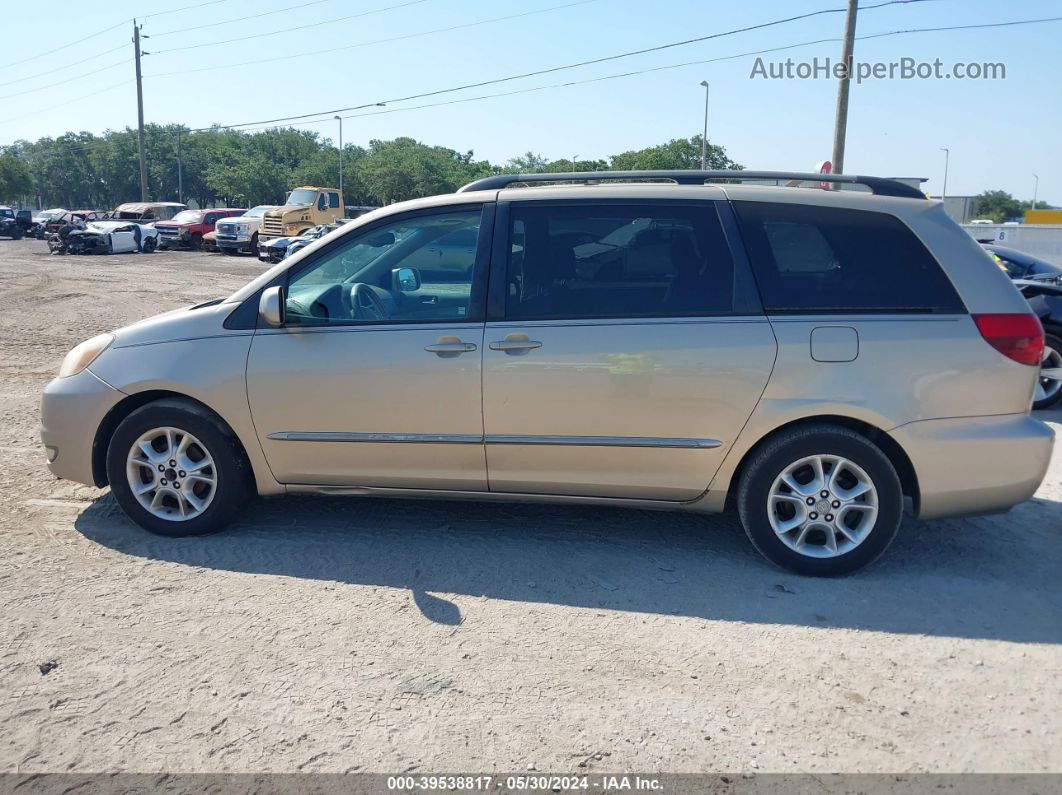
219	487
1051	391
254	244
148	245
881	508
195	243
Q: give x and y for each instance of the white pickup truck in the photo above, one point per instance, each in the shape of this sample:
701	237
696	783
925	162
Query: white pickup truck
240	233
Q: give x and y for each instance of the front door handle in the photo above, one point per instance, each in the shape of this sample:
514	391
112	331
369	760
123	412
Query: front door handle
448	346
515	344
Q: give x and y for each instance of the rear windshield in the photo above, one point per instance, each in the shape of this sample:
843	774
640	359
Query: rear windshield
817	260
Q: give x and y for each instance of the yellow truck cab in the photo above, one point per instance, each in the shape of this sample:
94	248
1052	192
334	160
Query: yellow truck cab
304	207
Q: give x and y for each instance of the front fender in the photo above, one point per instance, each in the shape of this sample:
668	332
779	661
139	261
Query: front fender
210	370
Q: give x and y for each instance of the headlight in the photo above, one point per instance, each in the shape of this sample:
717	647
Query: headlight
84	354
293	228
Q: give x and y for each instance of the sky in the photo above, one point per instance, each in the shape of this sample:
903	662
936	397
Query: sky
999	132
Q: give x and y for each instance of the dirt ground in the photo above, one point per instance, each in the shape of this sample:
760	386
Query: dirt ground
351	634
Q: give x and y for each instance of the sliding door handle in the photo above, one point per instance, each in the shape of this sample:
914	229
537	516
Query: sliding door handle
515	345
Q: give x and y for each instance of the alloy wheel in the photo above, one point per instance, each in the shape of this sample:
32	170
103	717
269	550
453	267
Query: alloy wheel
822	506
1050	382
171	474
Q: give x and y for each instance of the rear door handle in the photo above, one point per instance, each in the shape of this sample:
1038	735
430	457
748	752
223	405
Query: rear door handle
450	346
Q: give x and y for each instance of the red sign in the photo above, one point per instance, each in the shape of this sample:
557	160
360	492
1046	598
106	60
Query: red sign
825	167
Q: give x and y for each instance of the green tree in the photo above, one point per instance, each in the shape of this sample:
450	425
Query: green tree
676	153
16	181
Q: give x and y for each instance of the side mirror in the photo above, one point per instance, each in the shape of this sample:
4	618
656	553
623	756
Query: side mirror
406	280
271	307
381	240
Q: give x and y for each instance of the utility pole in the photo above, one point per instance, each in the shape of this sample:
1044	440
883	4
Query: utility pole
840	127
140	114
340	120
704	136
180	180
947	158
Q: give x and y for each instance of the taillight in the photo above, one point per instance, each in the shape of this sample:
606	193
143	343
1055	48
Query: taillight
1018	337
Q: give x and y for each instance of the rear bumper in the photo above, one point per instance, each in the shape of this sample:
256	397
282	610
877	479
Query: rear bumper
976	465
71	412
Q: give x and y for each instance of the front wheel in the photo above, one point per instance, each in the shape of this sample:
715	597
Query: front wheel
176	470
1049	386
820	500
148	245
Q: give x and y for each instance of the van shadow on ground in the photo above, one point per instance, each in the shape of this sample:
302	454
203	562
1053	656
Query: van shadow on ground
991	577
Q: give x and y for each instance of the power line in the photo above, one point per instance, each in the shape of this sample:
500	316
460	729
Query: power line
589	62
176	10
68	102
68	80
316	53
259	15
105	30
64	46
621	75
67	66
666	67
293	29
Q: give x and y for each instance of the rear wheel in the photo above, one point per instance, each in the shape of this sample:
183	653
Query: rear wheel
176	469
820	500
1049	387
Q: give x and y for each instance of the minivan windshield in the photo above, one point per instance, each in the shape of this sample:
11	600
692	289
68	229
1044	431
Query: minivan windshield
302	196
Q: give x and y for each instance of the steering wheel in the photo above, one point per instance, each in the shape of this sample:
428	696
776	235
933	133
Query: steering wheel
365	304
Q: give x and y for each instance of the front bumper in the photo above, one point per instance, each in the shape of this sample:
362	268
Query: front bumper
71	412
167	239
976	465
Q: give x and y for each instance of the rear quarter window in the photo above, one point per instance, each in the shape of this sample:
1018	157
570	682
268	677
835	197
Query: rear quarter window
810	259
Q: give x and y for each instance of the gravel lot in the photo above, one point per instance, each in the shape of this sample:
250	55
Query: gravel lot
339	635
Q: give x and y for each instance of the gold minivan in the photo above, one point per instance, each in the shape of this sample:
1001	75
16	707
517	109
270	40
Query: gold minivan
815	359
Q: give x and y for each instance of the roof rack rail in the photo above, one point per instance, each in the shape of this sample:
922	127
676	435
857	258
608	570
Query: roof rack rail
879	185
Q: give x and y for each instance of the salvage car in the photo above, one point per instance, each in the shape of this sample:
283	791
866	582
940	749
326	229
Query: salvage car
107	237
1045	299
9	225
818	360
240	234
186	228
1020	265
147	212
275	249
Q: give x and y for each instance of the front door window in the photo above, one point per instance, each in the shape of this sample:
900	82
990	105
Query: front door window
392	274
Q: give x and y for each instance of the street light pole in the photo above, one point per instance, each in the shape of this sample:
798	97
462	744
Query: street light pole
1036	190
573	163
947	157
704	135
340	120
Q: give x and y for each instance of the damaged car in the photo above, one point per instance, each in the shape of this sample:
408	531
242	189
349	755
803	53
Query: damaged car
105	237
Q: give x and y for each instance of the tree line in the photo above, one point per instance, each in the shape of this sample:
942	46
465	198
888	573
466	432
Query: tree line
236	168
